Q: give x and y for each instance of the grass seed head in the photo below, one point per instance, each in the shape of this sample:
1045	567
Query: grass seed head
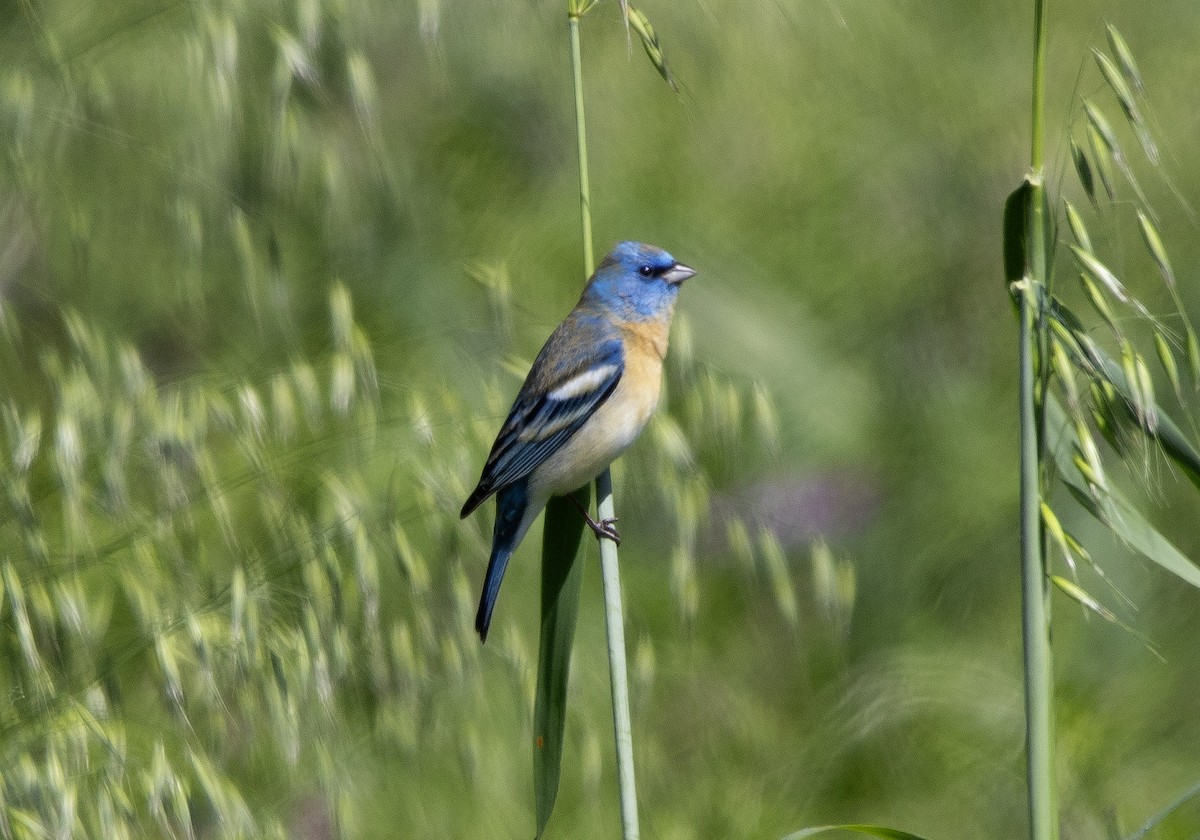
1133	381
1103	128
1077	227
684	587
1103	161
1193	356
775	564
1101	272
1154	245
1124	55
641	25
1167	359
341	383
1146	389
1118	84
1098	301
341	316
1083	169
738	537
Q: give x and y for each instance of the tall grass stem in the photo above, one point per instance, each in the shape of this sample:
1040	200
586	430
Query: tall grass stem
605	509
585	199
1035	612
615	622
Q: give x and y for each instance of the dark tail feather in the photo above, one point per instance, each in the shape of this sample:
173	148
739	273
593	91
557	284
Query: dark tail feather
491	588
510	514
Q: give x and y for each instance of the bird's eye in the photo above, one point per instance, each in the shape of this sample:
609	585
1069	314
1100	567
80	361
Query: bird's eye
646	271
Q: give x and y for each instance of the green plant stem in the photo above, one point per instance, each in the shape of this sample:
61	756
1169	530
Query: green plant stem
585	200
1035	612
615	622
1037	130
609	567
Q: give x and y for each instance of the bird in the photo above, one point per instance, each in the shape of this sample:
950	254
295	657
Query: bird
590	392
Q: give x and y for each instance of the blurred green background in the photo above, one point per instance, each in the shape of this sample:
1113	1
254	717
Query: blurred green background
270	274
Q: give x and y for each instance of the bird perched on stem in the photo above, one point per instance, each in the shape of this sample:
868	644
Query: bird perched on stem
590	392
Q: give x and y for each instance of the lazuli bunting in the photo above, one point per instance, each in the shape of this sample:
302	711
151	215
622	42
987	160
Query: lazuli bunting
590	392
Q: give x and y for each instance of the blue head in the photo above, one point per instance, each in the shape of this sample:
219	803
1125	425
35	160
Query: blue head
637	282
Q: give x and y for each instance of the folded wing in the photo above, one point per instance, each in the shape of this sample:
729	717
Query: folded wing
573	375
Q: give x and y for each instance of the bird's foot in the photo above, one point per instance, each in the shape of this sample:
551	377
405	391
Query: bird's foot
604	529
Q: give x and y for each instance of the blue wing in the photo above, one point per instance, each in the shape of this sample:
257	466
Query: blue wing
573	375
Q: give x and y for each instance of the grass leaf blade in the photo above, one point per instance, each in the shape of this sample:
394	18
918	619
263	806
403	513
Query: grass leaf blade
1110	507
562	572
1154	821
856	828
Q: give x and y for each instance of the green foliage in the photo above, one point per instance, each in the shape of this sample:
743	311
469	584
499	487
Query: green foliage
867	830
562	572
1123	407
192	555
1057	443
182	562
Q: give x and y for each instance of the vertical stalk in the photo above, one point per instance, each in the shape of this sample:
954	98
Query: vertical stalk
1035	613
615	622
609	567
585	195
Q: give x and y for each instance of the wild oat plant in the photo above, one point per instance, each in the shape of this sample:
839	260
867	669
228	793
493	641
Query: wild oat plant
1080	384
239	604
1096	378
210	584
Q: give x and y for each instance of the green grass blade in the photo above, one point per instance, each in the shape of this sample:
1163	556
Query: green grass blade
1129	524
1109	506
562	572
856	828
1154	821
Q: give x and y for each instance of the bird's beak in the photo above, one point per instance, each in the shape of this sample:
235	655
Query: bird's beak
677	273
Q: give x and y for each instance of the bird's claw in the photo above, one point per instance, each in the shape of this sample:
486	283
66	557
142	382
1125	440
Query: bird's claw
604	529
